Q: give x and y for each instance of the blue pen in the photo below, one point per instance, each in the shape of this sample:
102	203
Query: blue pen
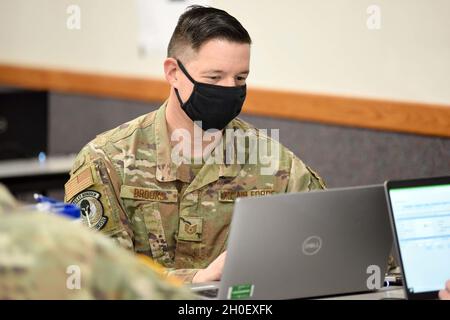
66	209
40	198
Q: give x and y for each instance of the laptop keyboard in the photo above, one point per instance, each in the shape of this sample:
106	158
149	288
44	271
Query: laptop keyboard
208	293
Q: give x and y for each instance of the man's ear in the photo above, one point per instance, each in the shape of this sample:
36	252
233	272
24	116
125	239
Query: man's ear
170	71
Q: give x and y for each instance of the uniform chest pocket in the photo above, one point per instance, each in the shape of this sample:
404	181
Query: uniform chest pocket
144	206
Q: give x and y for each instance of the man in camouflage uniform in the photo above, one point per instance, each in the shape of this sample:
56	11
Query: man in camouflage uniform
41	254
130	187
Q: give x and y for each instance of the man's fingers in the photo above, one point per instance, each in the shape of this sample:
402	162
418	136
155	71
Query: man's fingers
219	264
447	286
444	295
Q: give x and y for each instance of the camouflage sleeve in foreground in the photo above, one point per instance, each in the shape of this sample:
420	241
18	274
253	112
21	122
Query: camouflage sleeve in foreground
184	275
48	257
7	201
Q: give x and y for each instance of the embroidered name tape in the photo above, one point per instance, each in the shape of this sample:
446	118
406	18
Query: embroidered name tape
150	194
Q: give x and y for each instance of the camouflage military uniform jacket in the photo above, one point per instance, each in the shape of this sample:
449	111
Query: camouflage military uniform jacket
42	255
129	188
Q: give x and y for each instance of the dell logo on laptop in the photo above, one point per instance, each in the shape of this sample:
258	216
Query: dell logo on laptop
312	245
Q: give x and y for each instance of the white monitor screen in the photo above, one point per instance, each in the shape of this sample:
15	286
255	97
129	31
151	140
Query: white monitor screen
422	220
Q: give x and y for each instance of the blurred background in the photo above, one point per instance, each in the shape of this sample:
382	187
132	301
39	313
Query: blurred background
360	90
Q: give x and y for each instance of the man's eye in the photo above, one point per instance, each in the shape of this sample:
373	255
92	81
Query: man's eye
214	78
241	78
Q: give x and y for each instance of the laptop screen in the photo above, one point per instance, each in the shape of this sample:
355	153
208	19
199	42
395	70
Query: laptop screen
422	220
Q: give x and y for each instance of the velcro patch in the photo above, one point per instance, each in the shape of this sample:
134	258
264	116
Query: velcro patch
92	211
150	194
190	229
230	196
78	183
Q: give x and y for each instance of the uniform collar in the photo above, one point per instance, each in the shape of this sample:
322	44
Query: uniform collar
166	170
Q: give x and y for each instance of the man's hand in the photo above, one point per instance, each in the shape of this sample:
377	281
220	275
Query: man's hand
445	294
213	272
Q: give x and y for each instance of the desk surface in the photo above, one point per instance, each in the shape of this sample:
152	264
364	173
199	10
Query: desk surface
32	167
395	293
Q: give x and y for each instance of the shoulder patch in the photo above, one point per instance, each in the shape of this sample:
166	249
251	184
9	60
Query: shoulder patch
92	211
79	182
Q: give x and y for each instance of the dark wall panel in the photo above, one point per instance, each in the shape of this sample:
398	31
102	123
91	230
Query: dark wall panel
343	156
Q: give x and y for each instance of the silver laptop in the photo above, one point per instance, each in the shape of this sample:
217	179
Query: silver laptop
303	245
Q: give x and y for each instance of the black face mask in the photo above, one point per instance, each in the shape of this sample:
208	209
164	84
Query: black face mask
214	105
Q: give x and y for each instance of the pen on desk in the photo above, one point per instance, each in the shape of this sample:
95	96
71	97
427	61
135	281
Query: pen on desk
393	280
40	198
47	204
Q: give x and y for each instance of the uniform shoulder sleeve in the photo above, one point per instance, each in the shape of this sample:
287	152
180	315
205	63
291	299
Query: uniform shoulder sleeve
94	186
303	178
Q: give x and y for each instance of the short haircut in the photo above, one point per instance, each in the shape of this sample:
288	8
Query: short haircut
199	24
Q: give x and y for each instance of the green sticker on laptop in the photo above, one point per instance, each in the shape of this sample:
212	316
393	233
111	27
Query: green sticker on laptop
241	291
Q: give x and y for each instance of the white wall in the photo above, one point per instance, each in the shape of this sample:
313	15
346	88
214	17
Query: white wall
300	45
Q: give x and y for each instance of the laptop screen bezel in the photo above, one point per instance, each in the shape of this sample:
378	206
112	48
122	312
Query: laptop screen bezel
398	184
